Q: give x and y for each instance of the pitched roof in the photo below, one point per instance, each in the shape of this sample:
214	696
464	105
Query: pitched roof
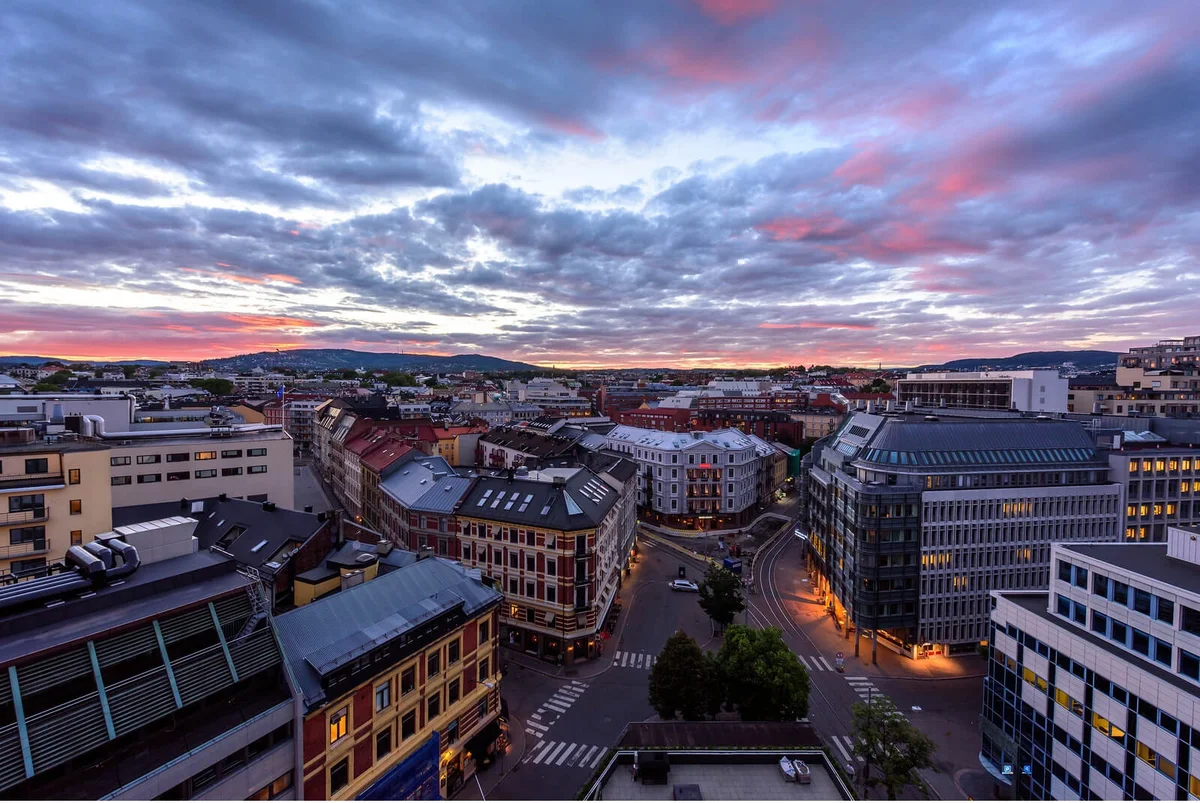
415	478
529	441
387	452
580	503
322	636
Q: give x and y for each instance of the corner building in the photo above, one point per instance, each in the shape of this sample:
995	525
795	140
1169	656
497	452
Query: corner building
914	519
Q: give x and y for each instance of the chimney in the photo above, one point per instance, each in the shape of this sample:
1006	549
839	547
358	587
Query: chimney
891	406
183	503
425	552
870	406
908	406
559	481
509	474
268	507
383	547
223	497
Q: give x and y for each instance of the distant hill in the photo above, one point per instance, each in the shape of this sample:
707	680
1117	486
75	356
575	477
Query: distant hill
15	360
1083	360
340	359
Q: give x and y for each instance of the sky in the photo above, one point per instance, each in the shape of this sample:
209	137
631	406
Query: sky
687	183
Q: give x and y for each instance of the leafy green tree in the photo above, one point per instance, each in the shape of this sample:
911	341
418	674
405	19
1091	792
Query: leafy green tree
155	373
58	378
216	386
130	371
876	386
682	680
395	379
349	373
721	596
886	741
46	387
762	678
431	382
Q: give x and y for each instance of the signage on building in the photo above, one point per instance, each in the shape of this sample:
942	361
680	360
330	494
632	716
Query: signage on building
414	778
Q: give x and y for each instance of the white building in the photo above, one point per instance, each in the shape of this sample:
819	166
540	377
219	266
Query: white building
1092	686
117	411
1032	391
697	480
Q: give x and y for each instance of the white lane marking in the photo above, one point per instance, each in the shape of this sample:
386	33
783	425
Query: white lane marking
537	725
624	659
617	654
653	660
572	694
534	751
842	748
554	754
639	660
857	677
578	754
580	685
564	755
556	708
535	716
825	663
583	761
804	661
596	760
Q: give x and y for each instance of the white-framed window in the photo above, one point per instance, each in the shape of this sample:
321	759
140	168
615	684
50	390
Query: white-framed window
383	695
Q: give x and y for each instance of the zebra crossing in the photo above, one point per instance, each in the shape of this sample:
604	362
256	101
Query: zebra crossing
867	690
816	663
634	660
564	754
845	746
563	698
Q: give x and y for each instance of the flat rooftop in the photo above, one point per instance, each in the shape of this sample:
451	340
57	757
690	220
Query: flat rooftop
724	782
1148	560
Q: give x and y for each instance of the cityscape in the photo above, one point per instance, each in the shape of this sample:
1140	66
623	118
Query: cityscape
675	400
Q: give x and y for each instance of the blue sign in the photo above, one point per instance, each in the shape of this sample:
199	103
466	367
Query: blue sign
1006	769
1027	769
414	778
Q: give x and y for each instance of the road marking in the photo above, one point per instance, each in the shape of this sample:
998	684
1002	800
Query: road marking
562	699
572	694
857	677
578	684
639	660
826	663
534	751
585	759
839	747
537	725
804	661
576	756
535	716
563	757
554	754
624	658
596	760
556	708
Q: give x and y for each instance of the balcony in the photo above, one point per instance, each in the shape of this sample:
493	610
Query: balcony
35	547
29	516
9	481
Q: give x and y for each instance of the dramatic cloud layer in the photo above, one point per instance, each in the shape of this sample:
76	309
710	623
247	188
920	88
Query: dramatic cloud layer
686	182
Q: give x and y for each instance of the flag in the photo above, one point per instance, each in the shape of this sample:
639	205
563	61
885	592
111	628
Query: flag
279	395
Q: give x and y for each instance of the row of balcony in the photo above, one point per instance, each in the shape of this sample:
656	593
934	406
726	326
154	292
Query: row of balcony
31	480
29	516
34	547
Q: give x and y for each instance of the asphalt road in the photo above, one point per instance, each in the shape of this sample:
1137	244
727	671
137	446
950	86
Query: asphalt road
309	490
572	721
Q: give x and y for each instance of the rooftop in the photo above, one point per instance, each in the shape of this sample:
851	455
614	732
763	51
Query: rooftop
657	439
1148	560
579	503
726	781
429	483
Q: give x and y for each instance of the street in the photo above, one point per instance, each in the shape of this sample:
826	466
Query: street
308	488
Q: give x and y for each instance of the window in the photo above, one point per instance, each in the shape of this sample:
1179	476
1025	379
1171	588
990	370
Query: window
37	465
551	567
205	473
76	507
383	743
530	589
1068	702
30	567
205	455
120	480
433	707
1081	577
176	476
452	692
229	453
233	471
1064	571
1141	601
1064	606
383	695
28	535
1099	623
118	461
1165	611
1140	642
257	470
1120	593
73	477
178	457
433	664
551	594
339	776
76	537
1100	585
408	725
1189	665
1162	652
149	459
408	680
1190	620
452	653
337	725
256	453
484	633
145	478
483	668
1120	633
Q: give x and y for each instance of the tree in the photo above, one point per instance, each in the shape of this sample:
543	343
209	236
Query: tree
876	385
130	371
884	739
721	596
216	386
46	387
394	379
762	678
431	382
58	378
682	680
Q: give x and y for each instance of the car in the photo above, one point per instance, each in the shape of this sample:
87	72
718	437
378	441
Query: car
684	585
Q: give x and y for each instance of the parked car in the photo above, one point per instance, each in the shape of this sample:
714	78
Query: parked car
684	585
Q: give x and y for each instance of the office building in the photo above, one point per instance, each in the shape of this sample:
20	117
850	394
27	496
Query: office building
1092	684
397	684
1162	482
1033	391
54	493
915	519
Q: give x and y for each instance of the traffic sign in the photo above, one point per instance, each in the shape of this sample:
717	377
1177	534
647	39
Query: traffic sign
841	655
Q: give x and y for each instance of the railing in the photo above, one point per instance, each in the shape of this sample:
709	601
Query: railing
25	516
41	478
34	547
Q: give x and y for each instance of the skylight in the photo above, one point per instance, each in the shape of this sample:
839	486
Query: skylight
259	545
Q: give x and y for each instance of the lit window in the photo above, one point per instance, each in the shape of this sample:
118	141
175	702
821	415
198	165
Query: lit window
76	507
337	725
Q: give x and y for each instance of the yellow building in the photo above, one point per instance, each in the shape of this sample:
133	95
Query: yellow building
399	684
457	444
52	495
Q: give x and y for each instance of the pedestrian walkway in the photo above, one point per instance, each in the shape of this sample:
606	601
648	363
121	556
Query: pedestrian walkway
563	698
564	754
845	746
867	690
818	663
633	660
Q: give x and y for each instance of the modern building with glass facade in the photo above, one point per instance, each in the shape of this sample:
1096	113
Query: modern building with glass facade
914	519
1092	685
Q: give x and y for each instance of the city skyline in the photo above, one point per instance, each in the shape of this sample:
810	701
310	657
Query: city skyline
692	183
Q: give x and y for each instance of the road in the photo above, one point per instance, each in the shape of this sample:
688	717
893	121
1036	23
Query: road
308	489
946	707
572	720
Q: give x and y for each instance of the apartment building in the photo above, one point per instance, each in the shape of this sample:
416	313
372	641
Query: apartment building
1034	391
818	424
130	680
1162	482
418	501
377	462
459	445
1170	353
397	684
555	543
1092	394
1092	683
54	494
296	413
664	419
768	425
510	447
698	480
1164	383
251	462
914	520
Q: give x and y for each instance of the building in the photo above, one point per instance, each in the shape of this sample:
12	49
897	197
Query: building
664	419
377	463
768	425
1092	684
18	410
139	680
1163	379
495	413
509	447
418	501
251	462
1034	391
549	395
296	413
54	494
555	545
1162	482
1095	394
397	684
698	480
459	445
818	423
1172	353
913	522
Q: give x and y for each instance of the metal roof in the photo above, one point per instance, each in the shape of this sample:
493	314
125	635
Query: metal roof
414	479
580	503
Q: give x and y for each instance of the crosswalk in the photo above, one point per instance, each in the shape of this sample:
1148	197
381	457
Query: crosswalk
634	660
817	663
867	690
564	754
844	745
548	713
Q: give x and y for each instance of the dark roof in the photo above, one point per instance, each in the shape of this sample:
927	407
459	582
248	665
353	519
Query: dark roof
714	735
1148	560
612	463
324	635
528	441
579	504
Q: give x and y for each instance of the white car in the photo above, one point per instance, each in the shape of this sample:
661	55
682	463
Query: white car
684	585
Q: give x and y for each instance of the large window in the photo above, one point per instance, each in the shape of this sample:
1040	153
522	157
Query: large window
433	708
149	459
256	453
205	473
121	480
1189	665
408	725
118	461
27	535
452	653
73	477
1141	601
229	453
408	680
1165	611
176	476
1100	585
383	743
339	776
27	502
338	724
179	457
205	455
258	470
235	471
452	692
147	478
1190	620
37	465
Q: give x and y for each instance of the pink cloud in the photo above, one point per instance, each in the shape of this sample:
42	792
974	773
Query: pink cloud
870	166
801	228
858	327
731	12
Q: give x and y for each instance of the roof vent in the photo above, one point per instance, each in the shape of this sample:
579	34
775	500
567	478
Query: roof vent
269	507
223	497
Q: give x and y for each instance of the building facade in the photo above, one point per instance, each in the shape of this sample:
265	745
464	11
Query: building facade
1092	684
1033	391
397	684
1162	483
913	522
